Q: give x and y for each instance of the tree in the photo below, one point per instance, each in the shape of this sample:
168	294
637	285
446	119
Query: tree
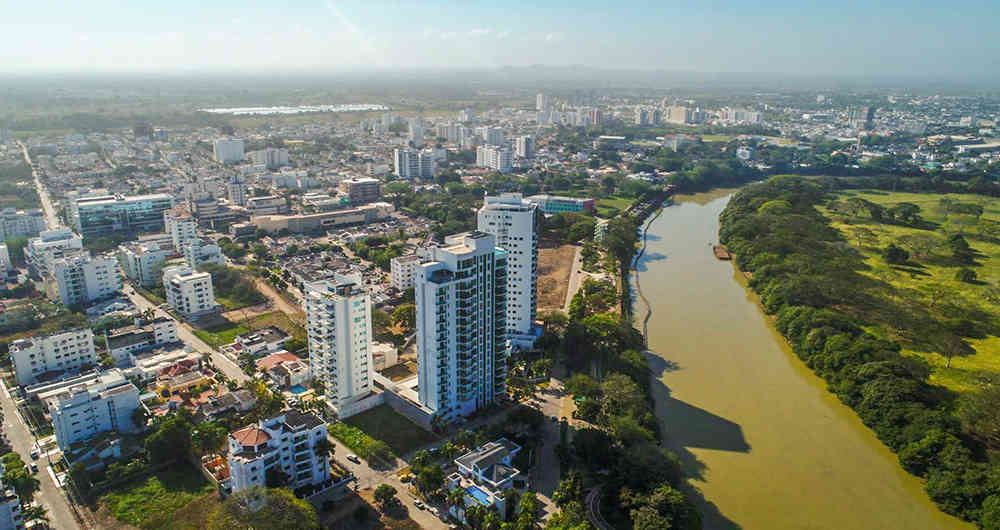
209	436
961	250
385	495
979	413
421	459
17	476
264	509
895	256
919	245
430	478
36	513
866	237
172	440
405	315
276	478
966	275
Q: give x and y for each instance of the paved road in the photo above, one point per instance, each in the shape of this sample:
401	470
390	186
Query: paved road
51	220
221	362
49	494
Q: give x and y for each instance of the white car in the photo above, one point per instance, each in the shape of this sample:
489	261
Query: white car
354	459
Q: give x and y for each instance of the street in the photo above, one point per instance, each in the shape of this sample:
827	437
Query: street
229	368
49	494
51	220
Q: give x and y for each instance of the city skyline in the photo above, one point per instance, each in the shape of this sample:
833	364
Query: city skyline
728	36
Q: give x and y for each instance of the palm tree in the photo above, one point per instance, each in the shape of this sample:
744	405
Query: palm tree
456	498
36	513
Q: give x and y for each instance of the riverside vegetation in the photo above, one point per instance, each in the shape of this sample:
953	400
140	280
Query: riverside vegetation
850	324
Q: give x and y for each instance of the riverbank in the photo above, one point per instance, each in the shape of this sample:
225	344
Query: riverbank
766	446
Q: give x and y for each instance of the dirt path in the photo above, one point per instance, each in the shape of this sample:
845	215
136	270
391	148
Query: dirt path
554	269
279	301
576	277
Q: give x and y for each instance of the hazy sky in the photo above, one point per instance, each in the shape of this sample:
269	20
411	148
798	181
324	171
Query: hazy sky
787	36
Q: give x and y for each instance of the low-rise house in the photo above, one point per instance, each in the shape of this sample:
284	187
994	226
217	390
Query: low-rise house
124	343
241	400
172	385
484	473
260	342
289	442
152	365
290	373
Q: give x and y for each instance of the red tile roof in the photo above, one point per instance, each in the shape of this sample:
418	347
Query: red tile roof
275	359
250	436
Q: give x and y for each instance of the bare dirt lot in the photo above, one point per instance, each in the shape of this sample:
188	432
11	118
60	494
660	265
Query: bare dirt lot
554	266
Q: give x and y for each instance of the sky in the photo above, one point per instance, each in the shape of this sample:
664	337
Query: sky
849	37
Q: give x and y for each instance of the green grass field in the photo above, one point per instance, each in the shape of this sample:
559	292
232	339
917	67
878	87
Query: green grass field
613	205
925	300
399	433
225	332
177	498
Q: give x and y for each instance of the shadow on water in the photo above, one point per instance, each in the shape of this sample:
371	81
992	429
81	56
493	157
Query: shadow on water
694	427
653	237
648	257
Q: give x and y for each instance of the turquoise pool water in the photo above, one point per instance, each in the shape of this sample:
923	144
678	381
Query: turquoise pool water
297	389
477	493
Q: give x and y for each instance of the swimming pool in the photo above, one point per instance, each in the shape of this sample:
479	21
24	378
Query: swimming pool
477	493
297	389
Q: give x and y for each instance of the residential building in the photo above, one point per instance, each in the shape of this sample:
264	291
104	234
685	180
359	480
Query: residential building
202	250
49	246
553	204
125	343
416	133
51	356
11	516
461	325
228	151
542	103
141	261
267	205
525	147
5	264
499	159
242	232
410	163
401	271
236	190
188	292
595	117
270	158
514	221
21	223
90	404
676	141
338	316
80	278
148	366
181	226
491	135
260	342
106	214
484	474
361	190
287	442
610	142
600	229
678	114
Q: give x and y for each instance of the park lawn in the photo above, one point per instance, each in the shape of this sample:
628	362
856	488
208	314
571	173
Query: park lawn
965	372
155	502
397	431
613	205
717	137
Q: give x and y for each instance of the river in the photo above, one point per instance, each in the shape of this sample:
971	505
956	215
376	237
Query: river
766	445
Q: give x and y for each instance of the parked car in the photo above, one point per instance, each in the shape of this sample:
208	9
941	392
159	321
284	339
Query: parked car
354	459
419	505
34	454
34	467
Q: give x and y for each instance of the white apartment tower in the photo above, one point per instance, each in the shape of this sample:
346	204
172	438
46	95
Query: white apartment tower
81	279
228	151
287	441
52	355
410	163
461	325
190	293
84	406
499	159
542	103
236	189
416	133
181	226
5	264
338	315
513	222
